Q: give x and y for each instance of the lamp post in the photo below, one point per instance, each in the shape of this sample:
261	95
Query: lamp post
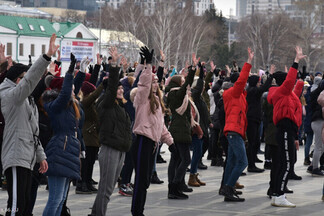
100	3
229	30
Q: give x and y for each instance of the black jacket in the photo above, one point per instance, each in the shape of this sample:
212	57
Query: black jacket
315	107
253	98
115	125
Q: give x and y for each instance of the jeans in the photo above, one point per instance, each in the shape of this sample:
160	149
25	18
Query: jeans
309	141
236	159
58	187
196	153
319	145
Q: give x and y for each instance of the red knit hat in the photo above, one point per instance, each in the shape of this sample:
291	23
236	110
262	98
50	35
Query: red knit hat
87	78
56	83
87	88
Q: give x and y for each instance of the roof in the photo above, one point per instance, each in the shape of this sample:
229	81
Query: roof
115	37
41	27
13	23
66	27
17	9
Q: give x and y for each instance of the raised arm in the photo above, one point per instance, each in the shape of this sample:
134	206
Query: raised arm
239	85
111	90
27	85
289	83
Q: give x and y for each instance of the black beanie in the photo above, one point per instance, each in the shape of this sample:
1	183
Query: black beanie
280	77
253	80
17	69
234	77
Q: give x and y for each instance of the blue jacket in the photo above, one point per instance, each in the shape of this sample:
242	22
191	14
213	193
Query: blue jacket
63	149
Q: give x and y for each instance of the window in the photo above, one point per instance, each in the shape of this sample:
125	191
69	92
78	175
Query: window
43	48
42	28
31	27
79	35
32	49
20	26
21	49
9	49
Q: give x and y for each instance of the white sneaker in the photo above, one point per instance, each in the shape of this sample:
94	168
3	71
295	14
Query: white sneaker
281	201
273	200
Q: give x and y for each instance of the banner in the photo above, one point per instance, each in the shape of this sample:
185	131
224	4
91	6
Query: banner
79	48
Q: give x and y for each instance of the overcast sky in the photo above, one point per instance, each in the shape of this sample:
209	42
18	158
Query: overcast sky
225	6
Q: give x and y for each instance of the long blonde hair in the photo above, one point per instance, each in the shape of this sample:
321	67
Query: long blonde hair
154	103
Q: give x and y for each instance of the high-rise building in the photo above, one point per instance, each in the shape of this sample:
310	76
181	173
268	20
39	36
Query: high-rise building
241	6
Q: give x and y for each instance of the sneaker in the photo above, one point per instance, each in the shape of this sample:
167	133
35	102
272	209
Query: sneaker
281	201
317	172
125	190
310	169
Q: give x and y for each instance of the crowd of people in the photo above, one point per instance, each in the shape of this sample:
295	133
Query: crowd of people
54	128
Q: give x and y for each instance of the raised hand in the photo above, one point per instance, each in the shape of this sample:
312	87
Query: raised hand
195	61
251	55
72	64
2	53
113	52
52	48
123	62
212	66
58	55
84	64
299	54
148	55
99	60
162	56
272	69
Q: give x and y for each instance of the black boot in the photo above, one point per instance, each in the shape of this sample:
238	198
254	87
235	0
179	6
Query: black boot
174	192
159	159
230	195
83	189
155	179
92	188
184	188
201	165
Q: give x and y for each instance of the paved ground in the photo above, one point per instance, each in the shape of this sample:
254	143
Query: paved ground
204	201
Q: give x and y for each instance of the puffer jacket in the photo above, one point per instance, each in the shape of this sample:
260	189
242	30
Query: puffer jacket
115	125
20	142
64	148
180	127
146	123
90	129
235	104
270	130
285	101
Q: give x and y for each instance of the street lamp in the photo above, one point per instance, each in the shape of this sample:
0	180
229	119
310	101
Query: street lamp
229	30
100	3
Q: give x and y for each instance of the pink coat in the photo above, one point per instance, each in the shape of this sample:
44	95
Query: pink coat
146	123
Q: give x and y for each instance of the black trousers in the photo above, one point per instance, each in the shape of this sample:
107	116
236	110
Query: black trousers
253	135
178	165
273	151
127	171
36	178
215	149
224	142
19	185
88	163
286	133
206	144
267	152
143	156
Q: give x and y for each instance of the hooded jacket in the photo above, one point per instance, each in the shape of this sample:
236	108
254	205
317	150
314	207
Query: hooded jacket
20	137
285	102
235	104
146	123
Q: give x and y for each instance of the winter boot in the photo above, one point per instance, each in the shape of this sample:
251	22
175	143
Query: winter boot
231	196
175	193
198	180
193	181
83	189
155	179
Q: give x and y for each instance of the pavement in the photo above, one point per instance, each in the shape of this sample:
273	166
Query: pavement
203	201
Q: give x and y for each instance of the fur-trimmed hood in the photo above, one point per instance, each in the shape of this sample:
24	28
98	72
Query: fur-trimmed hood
50	95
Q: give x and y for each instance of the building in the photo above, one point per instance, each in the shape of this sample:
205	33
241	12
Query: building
24	36
11	9
126	42
241	6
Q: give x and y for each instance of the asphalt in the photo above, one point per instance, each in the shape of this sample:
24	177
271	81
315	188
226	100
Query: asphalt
203	201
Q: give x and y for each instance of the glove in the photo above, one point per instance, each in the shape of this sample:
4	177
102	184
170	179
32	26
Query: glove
142	58
72	64
148	55
105	83
83	65
90	69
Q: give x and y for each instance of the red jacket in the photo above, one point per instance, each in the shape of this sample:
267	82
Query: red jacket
286	103
235	104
